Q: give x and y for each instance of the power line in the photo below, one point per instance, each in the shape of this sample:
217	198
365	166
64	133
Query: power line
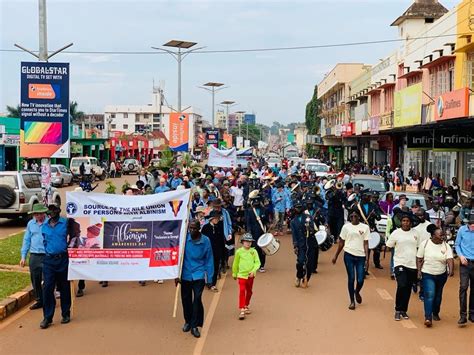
248	50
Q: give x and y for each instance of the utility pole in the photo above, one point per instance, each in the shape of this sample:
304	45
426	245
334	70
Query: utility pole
213	87
227	104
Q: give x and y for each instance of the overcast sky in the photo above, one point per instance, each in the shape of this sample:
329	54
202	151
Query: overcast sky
274	85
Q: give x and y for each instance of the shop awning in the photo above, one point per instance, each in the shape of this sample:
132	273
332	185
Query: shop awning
438	61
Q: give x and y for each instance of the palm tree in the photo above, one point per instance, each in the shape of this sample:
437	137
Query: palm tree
167	160
190	164
74	113
13	111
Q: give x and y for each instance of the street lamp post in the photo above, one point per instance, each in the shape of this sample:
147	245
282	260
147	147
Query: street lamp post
227	104
213	87
240	121
178	55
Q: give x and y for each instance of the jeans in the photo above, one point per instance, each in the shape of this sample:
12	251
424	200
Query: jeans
433	293
55	273
245	291
355	269
466	273
191	298
406	277
279	220
36	274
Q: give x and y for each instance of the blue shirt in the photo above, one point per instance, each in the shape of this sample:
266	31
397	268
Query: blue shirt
160	188
465	242
55	238
198	263
280	201
175	182
33	240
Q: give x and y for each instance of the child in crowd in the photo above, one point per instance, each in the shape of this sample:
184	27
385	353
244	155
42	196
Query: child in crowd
246	264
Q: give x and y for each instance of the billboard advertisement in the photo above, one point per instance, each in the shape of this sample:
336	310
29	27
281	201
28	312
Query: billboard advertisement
228	139
179	132
212	137
408	106
44	110
453	104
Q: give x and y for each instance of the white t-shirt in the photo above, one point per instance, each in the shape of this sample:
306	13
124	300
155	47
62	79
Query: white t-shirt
434	256
238	194
405	244
354	237
422	232
436	217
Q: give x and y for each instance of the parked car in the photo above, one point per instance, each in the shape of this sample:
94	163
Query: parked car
319	169
131	166
60	175
372	182
96	169
424	200
311	161
19	191
297	160
154	163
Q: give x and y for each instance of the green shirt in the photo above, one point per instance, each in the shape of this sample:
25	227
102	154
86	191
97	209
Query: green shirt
245	262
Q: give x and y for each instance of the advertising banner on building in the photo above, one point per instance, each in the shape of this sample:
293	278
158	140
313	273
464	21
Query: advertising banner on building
212	137
222	158
454	104
408	106
445	139
44	107
347	130
179	132
201	139
127	238
228	140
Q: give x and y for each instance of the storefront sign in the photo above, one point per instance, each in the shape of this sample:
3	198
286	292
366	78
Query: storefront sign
228	139
338	130
442	139
374	125
44	103
408	106
347	130
212	137
454	104
11	139
179	132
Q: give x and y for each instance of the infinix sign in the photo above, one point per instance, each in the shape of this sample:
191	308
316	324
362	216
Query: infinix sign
442	139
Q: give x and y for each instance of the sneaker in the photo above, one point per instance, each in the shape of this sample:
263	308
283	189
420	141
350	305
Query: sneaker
261	269
428	323
297	282
462	320
242	314
436	317
247	310
404	315
358	297
352	306
398	316
80	293
57	294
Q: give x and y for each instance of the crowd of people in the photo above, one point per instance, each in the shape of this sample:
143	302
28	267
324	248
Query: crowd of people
318	212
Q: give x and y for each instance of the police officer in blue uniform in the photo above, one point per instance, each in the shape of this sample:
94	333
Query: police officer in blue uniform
55	266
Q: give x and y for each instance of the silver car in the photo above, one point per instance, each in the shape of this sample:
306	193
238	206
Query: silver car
60	175
19	191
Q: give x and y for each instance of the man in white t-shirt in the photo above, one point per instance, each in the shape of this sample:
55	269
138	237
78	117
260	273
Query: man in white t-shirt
421	227
437	215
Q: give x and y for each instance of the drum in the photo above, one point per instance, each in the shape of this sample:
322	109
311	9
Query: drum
268	244
325	241
375	240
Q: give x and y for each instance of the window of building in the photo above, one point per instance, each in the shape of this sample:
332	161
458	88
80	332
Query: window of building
388	98
442	163
125	126
415	79
442	78
125	115
112	115
113	126
469	80
146	115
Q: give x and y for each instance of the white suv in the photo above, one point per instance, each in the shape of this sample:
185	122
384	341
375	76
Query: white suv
96	169
19	191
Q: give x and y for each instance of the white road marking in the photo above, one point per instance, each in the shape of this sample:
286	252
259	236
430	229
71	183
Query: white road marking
208	320
383	293
428	351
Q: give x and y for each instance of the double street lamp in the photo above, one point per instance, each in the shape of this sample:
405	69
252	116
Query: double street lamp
213	87
227	104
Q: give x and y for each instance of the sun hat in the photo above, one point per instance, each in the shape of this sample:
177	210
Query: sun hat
38	208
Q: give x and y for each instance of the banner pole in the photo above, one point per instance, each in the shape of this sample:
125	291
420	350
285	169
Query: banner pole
181	259
73	297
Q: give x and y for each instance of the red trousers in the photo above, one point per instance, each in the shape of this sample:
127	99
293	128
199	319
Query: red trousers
245	294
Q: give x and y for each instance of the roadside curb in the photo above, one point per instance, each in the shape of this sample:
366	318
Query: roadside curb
15	302
14	268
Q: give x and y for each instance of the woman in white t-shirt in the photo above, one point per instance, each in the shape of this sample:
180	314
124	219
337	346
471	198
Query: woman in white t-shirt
355	242
405	241
434	261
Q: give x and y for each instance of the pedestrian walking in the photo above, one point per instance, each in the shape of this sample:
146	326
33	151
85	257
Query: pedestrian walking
465	250
33	243
55	267
245	266
214	231
405	242
434	262
198	269
355	243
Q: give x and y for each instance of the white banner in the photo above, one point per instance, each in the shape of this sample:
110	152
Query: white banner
222	158
239	142
247	143
127	238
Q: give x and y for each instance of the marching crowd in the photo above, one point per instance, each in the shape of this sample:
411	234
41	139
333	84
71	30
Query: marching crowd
259	202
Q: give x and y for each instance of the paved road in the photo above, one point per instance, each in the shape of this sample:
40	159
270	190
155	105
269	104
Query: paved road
128	319
9	226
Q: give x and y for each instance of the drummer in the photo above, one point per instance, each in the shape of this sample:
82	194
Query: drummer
256	221
304	244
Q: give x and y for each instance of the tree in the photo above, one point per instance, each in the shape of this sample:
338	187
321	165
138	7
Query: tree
313	121
74	113
253	135
13	111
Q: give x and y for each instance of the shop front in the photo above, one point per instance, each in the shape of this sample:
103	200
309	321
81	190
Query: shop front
9	144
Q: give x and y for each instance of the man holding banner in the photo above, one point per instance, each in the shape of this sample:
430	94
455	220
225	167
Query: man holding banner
198	269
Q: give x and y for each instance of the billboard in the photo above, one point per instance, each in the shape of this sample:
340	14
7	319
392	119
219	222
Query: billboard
212	137
179	131
408	106
453	104
228	139
44	110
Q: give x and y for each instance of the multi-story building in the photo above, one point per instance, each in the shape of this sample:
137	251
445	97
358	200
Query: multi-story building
221	120
250	118
415	107
148	118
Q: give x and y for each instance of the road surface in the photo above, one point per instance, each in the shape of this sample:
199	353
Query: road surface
126	318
